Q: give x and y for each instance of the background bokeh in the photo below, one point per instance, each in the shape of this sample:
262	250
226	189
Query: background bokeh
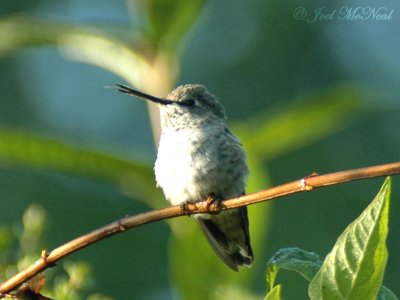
303	96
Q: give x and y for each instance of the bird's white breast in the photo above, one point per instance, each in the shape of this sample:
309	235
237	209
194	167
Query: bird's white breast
192	163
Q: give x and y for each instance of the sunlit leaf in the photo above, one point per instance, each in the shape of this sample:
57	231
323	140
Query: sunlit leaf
232	291
270	276
354	268
274	294
259	215
192	258
31	151
81	43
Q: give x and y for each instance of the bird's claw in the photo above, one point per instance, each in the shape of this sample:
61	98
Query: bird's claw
185	207
214	203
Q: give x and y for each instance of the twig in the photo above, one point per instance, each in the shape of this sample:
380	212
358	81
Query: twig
306	184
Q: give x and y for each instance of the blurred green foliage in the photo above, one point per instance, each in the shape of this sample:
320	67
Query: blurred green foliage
24	149
170	20
302	96
71	281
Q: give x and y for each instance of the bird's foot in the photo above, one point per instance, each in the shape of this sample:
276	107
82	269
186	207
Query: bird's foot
214	203
185	207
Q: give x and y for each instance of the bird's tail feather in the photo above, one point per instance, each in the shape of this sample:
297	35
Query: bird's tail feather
230	252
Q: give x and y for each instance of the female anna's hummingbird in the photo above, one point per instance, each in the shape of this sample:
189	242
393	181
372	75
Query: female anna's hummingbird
199	158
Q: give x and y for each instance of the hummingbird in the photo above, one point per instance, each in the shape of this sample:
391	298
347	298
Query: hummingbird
199	158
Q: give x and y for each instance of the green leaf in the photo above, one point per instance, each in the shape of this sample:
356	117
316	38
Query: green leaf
305	263
274	294
170	20
31	151
270	275
309	119
354	268
80	43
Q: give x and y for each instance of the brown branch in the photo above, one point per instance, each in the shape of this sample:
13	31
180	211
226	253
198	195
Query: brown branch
306	184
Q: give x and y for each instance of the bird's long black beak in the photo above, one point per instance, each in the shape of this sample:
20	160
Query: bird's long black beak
130	91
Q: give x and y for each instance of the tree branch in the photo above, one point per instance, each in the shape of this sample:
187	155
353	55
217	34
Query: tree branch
308	183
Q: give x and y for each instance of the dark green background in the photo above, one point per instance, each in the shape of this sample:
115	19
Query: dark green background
255	57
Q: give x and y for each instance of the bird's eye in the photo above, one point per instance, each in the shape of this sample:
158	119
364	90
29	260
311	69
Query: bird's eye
188	102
